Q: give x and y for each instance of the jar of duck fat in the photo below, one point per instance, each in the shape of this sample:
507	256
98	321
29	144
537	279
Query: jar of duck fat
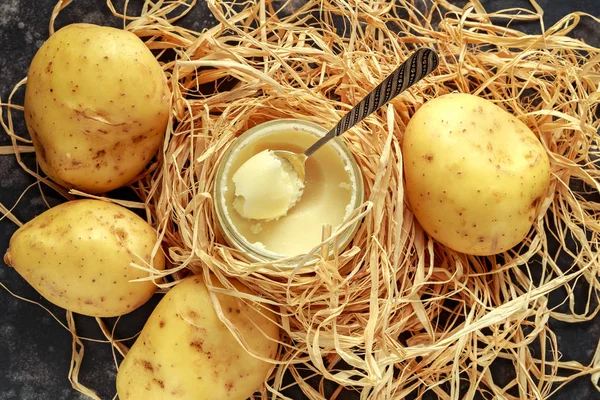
245	198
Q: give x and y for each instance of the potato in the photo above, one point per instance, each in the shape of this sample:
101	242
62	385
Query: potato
96	107
77	256
475	174
185	352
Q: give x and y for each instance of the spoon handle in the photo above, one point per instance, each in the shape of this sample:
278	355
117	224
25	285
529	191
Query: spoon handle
415	68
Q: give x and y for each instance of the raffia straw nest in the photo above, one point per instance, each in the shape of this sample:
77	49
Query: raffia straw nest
404	313
456	315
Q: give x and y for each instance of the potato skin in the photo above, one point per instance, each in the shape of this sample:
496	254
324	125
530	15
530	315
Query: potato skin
475	174
185	352
77	255
96	107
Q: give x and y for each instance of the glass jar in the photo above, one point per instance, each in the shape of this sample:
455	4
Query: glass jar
254	251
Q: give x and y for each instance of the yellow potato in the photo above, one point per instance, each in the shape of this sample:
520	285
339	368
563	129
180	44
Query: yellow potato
77	256
96	107
475	174
186	352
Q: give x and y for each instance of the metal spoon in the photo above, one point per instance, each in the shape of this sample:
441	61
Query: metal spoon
415	68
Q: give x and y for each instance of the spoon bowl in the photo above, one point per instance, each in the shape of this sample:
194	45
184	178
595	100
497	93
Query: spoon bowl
297	160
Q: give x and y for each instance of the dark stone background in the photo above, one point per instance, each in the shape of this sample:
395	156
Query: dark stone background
34	349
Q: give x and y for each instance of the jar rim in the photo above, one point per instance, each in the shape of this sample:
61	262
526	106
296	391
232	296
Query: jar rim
235	239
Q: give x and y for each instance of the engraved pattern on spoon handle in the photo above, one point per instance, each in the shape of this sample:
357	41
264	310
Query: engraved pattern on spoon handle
417	66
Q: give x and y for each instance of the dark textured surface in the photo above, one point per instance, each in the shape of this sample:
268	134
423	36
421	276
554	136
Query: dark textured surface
35	349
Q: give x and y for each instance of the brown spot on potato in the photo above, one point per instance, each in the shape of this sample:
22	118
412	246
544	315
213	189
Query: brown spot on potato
536	202
161	324
49	67
138	138
529	155
159	383
197	345
498	196
428	157
100	153
88	302
75	164
121	233
147	365
119	216
229	386
102	131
